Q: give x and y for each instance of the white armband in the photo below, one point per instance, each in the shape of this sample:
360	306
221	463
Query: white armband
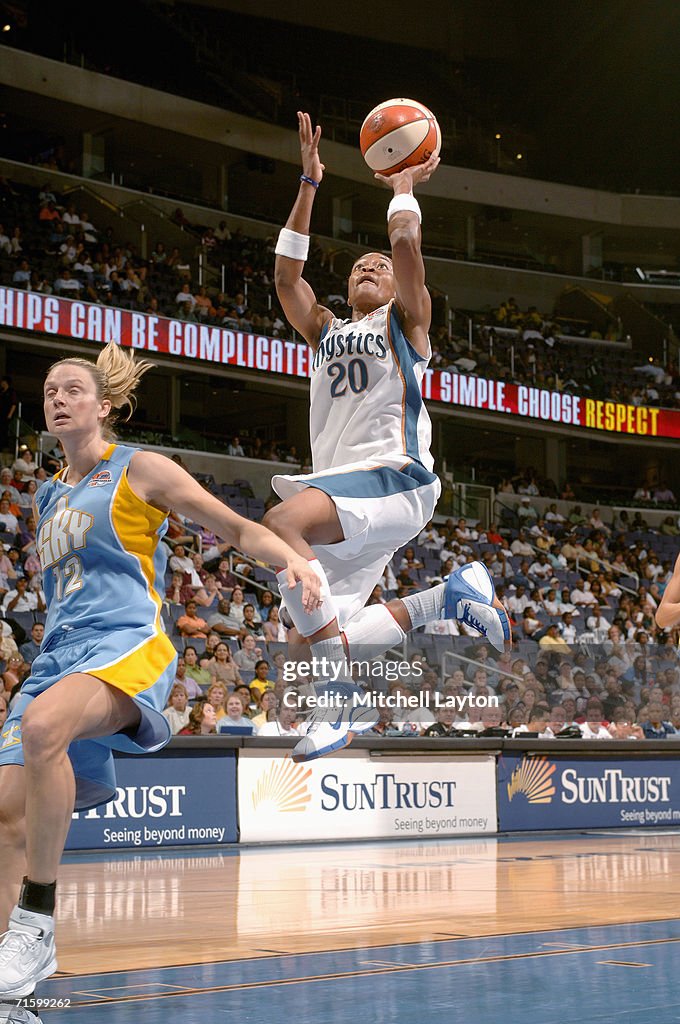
292	244
407	202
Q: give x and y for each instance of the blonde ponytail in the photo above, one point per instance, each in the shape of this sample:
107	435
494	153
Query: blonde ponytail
117	373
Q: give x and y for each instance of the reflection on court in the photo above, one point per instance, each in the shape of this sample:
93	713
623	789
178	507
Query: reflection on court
307	931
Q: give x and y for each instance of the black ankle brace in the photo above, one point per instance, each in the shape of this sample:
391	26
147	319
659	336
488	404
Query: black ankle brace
37	897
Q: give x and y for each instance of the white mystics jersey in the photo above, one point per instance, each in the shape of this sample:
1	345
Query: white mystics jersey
365	400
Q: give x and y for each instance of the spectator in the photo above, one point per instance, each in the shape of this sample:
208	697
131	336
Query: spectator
193	669
191	624
22	275
179	591
268	702
190	684
237	604
14	674
201	720
24	466
656	727
177	711
273	629
217	695
249	654
23	599
203	304
285	724
222	667
261	680
180	561
250	624
664	494
8	521
66	285
31	649
185	300
8	408
526	511
594	726
234	718
223	622
552	640
444	722
622	726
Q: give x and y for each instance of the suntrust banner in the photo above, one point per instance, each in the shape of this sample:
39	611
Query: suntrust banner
179	799
357	796
543	792
91	322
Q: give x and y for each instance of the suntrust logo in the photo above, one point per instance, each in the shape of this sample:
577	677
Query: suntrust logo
385	793
534	779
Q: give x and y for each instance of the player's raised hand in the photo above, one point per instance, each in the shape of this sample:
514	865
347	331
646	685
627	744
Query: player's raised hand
309	147
406	180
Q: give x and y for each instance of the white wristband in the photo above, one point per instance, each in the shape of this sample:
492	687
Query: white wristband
292	244
406	202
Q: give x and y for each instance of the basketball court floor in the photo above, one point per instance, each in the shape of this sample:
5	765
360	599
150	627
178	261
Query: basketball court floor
547	928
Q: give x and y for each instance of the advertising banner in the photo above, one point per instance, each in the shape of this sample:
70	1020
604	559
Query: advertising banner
90	322
544	792
179	799
357	796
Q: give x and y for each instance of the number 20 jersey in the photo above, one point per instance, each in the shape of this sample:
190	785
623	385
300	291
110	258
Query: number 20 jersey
365	399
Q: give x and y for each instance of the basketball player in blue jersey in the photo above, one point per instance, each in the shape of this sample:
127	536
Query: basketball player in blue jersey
372	488
105	668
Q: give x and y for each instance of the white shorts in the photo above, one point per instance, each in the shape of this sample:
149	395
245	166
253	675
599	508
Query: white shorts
382	504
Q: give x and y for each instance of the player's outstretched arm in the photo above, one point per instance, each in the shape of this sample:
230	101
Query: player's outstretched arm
403	228
297	299
668	612
161	482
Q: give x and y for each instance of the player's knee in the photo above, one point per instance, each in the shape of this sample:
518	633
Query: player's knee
40	735
276	520
12	821
270	519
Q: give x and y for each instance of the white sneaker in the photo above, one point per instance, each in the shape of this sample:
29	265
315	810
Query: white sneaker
334	727
27	953
487	620
12	1014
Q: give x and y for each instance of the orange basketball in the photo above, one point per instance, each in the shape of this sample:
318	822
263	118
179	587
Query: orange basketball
399	133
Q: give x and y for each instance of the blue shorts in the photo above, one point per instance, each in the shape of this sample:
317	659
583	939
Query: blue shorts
135	661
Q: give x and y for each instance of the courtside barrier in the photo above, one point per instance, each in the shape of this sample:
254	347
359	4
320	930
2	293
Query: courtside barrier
205	791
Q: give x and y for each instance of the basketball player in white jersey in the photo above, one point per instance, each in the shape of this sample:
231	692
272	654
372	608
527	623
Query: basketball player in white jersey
668	613
372	488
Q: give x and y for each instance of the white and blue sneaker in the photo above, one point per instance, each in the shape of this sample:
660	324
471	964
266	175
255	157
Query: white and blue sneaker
471	582
10	1013
487	620
27	953
334	726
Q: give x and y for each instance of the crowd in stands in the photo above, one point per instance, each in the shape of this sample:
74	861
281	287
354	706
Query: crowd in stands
48	244
581	592
527	346
528	483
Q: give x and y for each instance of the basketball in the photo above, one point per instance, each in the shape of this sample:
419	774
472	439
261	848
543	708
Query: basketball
397	134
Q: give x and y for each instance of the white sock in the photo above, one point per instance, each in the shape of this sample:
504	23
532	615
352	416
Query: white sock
336	668
425	605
